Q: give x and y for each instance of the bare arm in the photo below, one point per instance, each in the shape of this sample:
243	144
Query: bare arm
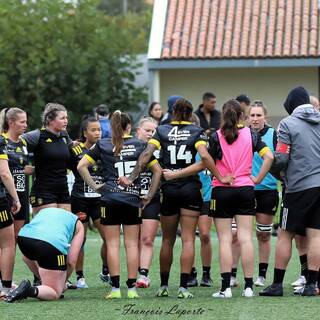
186	172
144	158
8	182
85	174
155	182
266	165
75	248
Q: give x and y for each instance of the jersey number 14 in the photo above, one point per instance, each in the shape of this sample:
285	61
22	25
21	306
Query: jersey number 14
179	153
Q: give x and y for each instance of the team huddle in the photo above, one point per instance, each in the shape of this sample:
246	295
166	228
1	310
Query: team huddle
183	172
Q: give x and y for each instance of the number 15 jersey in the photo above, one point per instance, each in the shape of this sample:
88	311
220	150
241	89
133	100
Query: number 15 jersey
178	142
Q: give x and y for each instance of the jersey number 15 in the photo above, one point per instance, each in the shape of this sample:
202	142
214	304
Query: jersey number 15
125	168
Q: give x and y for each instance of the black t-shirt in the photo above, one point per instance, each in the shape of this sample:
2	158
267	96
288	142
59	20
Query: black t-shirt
18	158
178	142
51	156
113	167
80	188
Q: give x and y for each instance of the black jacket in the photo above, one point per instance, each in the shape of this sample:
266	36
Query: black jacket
215	119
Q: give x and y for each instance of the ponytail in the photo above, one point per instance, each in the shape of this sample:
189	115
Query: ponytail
119	123
231	113
182	110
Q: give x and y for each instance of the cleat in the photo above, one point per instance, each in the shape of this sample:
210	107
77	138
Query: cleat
248	293
309	290
234	282
206	281
19	293
132	293
274	290
114	294
192	281
143	282
162	292
301	281
298	290
223	294
70	285
260	282
105	277
183	293
81	283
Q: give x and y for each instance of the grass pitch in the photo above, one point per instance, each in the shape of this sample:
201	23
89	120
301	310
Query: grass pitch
90	303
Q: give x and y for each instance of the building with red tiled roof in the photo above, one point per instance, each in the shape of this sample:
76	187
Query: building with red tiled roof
261	48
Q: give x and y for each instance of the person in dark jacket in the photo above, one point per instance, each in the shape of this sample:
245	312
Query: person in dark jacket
168	116
210	118
297	157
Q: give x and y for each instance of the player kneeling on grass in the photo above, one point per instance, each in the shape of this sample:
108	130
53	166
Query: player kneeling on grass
50	244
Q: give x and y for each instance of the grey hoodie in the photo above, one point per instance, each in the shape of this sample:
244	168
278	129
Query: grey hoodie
300	130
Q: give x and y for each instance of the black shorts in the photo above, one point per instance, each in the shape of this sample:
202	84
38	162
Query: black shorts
117	214
228	202
40	199
152	210
46	255
267	201
205	209
6	218
88	207
301	210
25	209
181	196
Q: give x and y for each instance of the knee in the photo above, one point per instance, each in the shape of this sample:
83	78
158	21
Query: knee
263	236
205	238
147	241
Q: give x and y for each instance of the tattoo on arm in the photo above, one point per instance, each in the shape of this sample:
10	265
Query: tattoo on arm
142	161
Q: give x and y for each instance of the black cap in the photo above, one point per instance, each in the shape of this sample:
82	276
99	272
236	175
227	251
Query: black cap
296	97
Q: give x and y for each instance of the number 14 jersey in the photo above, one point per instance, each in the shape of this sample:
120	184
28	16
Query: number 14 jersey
178	142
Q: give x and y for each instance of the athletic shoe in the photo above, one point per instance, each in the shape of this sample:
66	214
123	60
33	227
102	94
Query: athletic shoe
105	277
132	293
19	293
248	293
192	281
114	294
298	290
223	294
260	282
81	283
301	281
206	281
234	282
163	291
70	285
183	293
309	290
143	282
274	290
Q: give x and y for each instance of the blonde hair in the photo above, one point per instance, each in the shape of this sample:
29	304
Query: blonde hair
50	112
146	119
6	115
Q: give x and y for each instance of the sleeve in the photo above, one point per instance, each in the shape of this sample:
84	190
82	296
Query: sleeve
275	139
201	139
31	138
93	154
152	162
215	147
258	145
72	162
155	139
3	149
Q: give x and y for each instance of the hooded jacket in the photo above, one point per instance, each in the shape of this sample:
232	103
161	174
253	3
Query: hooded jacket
300	130
168	116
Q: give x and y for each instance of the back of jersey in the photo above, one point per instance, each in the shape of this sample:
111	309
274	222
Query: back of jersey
178	142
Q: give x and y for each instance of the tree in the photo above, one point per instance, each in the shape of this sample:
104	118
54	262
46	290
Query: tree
71	54
118	7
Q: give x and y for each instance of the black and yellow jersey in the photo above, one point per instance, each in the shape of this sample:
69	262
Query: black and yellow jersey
18	158
113	167
3	156
178	142
80	188
51	156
